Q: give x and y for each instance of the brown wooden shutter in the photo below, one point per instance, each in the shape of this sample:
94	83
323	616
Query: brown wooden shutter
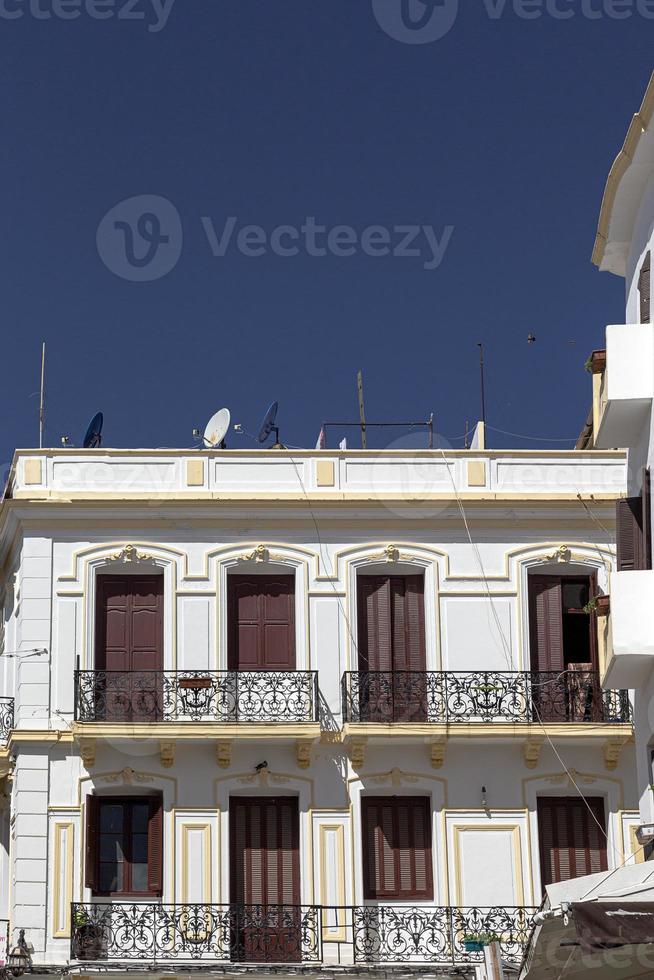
570	841
92	849
545	623
629	533
155	846
129	622
264	851
374	622
645	289
408	618
397	847
261	622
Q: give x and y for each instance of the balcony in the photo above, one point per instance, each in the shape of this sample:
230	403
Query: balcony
6	719
230	697
483	697
117	933
630	656
623	390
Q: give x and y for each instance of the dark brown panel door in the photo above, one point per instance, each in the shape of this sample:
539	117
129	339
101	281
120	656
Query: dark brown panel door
265	879
261	622
129	645
391	644
570	841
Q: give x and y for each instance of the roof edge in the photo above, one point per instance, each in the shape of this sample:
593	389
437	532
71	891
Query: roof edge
639	124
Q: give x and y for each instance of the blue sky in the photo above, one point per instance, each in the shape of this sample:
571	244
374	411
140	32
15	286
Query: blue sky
496	137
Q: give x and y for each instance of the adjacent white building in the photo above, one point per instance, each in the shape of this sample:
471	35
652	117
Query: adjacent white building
327	707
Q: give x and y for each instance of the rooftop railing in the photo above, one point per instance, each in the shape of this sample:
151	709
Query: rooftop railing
484	696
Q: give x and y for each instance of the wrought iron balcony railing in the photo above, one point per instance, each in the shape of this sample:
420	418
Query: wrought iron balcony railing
6	719
481	696
363	935
196	695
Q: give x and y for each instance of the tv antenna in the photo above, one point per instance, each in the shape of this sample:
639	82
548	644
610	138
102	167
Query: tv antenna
215	430
268	425
93	435
42	398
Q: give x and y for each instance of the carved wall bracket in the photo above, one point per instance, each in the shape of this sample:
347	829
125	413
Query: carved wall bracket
437	749
224	753
531	752
167	754
87	752
612	749
303	752
356	750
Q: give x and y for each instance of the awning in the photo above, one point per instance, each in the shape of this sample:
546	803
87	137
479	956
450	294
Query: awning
609	925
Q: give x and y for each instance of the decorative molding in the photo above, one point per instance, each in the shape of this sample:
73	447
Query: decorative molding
127	776
612	749
356	750
224	753
531	752
396	777
260	554
265	778
87	752
565	778
303	752
130	555
437	749
167	754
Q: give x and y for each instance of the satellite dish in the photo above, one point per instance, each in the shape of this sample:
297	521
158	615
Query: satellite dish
93	437
268	424
216	429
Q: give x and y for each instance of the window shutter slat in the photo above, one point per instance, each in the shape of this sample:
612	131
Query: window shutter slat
397	848
545	622
645	289
374	622
408	623
629	533
571	843
155	846
92	849
646	495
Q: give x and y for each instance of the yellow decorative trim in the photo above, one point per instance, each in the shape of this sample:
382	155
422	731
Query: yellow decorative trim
502	730
64	852
194	473
32	472
167	754
224	753
129	555
303	752
531	751
87	752
325	473
437	749
192	731
476	473
612	749
356	750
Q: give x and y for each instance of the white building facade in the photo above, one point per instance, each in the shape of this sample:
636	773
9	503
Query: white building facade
623	390
308	708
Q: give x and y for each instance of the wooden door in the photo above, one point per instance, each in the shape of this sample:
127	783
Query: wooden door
129	645
265	879
391	647
572	837
261	622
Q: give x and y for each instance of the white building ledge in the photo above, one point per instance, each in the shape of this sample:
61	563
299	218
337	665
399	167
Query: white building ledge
632	624
627	386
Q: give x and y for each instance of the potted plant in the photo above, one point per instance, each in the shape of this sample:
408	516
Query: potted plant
475	942
600	604
89	935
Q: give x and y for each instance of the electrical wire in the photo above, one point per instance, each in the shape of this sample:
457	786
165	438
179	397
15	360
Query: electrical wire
507	650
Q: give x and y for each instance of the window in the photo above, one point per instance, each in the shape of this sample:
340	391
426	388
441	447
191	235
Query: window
645	289
633	529
124	841
572	837
562	632
397	847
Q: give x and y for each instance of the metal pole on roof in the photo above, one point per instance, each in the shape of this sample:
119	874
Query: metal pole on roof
362	410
